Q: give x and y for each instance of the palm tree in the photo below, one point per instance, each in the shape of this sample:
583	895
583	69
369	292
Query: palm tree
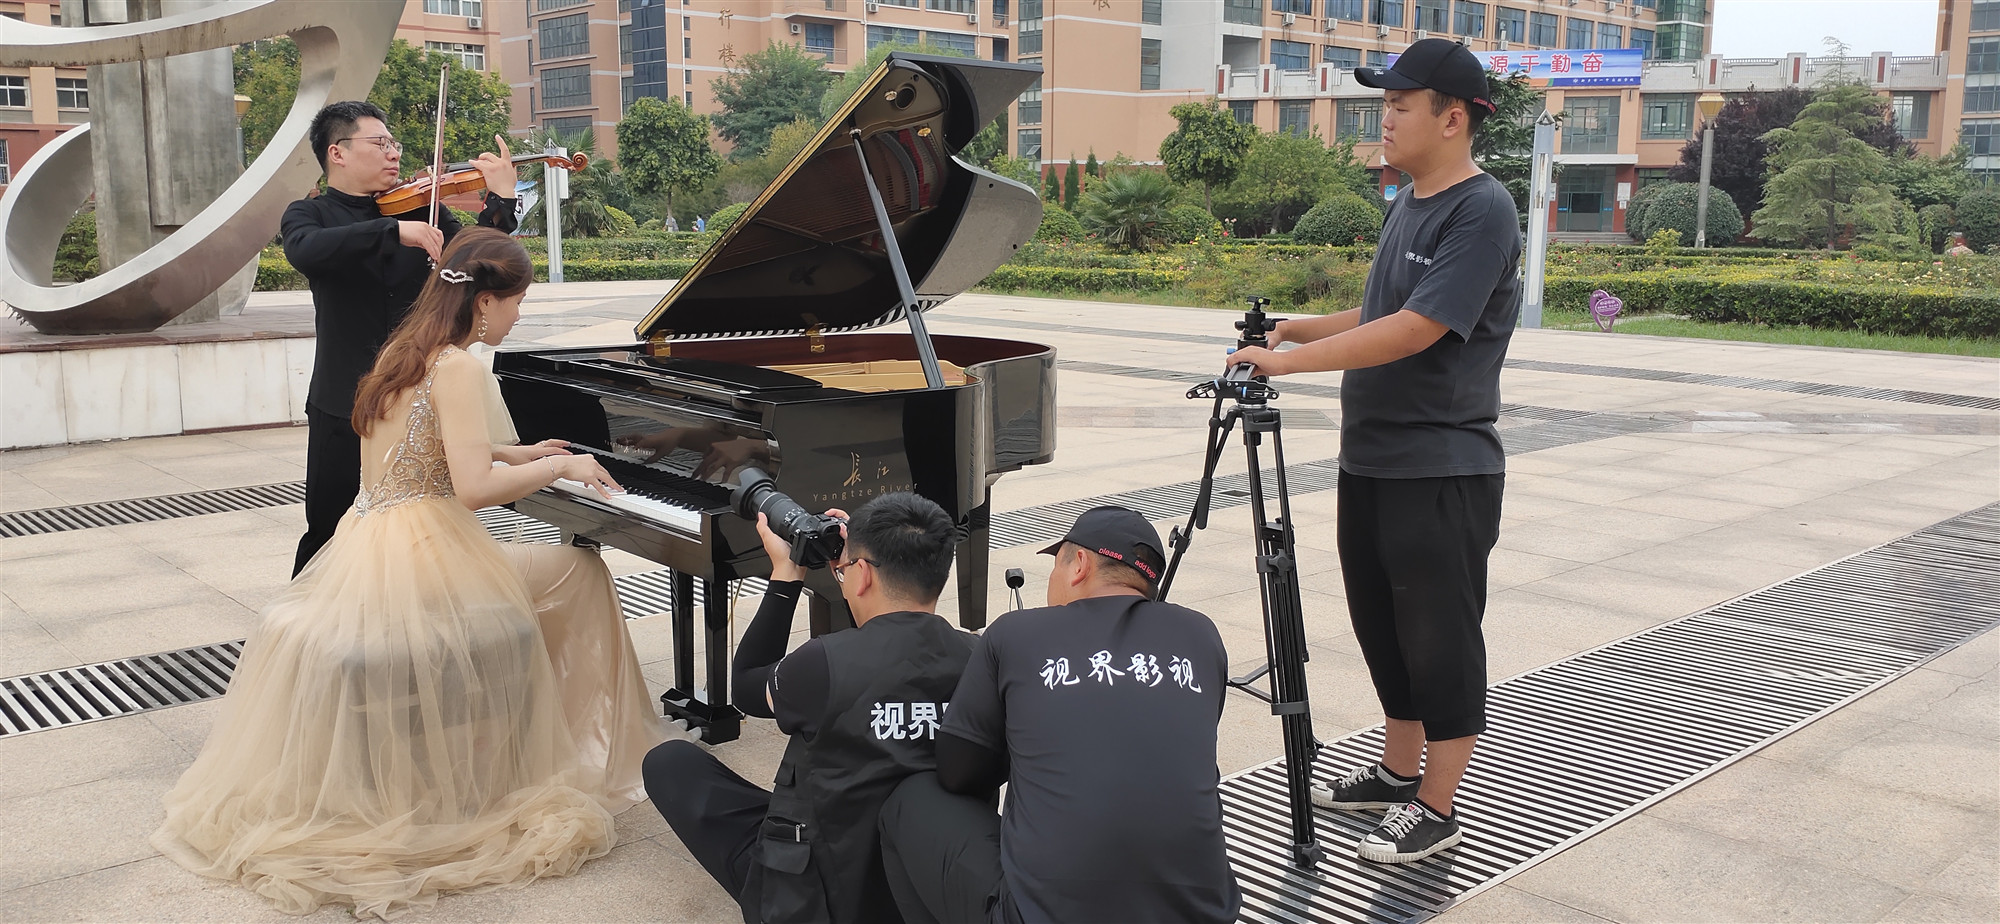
583	213
1127	209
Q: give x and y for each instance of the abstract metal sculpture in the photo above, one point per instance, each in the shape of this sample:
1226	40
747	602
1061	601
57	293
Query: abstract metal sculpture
341	47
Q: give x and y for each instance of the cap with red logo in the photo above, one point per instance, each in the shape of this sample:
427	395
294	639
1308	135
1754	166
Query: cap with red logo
1438	64
1120	534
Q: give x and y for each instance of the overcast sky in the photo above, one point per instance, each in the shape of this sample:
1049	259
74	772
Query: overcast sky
1773	28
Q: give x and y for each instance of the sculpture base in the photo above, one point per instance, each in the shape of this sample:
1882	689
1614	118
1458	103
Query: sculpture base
242	371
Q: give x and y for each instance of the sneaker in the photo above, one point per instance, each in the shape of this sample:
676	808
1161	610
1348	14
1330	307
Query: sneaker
1408	834
1369	787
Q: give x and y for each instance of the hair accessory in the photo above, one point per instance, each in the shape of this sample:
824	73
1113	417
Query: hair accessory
454	276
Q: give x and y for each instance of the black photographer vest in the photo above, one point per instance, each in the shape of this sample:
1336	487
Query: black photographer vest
888	684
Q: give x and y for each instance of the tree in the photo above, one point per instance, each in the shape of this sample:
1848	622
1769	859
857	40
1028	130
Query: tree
1979	216
1128	209
1091	166
663	146
1926	181
1737	166
585	213
1674	207
1051	188
1504	146
776	86
268	73
1283	176
1341	219
1822	176
1072	184
1208	148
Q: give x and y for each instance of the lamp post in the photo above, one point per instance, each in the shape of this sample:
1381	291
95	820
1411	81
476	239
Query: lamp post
1541	159
1708	104
242	106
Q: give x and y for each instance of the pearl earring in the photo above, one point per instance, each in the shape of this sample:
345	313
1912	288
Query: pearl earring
481	332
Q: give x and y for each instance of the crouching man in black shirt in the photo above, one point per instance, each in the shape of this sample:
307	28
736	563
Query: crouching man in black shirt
862	707
1100	711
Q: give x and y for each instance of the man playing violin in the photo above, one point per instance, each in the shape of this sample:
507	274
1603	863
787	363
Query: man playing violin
365	269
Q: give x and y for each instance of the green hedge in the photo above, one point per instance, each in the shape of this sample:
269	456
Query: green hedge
1071	279
276	275
615	270
1884	309
637	247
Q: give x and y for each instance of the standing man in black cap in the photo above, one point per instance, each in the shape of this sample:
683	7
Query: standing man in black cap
1100	712
1421	466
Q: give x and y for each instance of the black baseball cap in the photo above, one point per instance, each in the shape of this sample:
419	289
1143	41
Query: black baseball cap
1437	64
1117	533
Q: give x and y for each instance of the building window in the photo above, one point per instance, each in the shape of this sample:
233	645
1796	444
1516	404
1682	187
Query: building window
1590	125
1469	19
1290	56
1982	75
1244	110
687	96
563	87
1028	144
687	47
1295	117
543	6
1912	114
72	93
1985	16
1510	25
567	128
452	7
1648	176
1378	59
1030	27
909	3
1247	12
1149	11
472	56
1579	34
624	44
1031	103
563	36
955	6
819	37
1301	7
1642	39
999	48
1610	35
687	78
1149	64
1360	119
1542	30
1433	15
1386	12
13	92
1350	10
1667	115
6	166
882	35
967	45
1343	58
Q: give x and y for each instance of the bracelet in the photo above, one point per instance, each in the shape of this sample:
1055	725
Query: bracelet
551	460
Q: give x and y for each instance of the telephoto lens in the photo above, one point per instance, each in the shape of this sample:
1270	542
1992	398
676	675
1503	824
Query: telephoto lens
815	537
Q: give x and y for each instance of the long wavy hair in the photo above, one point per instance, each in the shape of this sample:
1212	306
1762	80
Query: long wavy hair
443	314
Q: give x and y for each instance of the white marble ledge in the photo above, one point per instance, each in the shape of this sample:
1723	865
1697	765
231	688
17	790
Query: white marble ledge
74	396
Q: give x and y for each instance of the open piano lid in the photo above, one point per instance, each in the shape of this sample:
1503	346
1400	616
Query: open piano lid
807	255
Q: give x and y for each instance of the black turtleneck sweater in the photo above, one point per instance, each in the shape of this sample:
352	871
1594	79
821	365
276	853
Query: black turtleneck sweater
363	281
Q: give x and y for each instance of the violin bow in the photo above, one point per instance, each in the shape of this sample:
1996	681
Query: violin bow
437	150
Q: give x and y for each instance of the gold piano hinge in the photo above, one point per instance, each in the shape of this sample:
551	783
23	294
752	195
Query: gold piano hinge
657	343
815	339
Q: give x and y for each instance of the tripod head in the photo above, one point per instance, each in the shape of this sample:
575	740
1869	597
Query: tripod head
1255	326
1238	382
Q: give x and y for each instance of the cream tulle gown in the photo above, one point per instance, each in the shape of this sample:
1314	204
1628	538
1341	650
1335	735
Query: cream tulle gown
424	709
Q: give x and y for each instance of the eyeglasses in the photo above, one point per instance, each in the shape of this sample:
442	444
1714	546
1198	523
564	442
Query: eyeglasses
839	570
386	143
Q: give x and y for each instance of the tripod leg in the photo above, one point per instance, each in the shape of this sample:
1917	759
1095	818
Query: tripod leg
1219	425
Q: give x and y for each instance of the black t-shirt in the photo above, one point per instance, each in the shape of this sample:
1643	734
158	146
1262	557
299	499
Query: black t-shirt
1106	709
1451	257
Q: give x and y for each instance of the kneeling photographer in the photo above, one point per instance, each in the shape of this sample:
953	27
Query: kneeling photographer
862	708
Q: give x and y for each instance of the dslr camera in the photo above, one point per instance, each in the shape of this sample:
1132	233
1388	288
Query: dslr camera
815	537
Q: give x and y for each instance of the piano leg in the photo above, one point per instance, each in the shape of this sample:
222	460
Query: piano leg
709	715
973	554
724	722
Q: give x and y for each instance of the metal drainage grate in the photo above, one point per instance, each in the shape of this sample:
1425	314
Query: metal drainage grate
1309	389
76	695
1631	723
148	509
1738	381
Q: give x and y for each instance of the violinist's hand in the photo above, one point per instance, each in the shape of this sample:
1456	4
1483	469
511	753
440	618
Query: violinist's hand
498	169
421	235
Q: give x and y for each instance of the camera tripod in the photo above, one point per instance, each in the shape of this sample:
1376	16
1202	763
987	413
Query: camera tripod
1277	568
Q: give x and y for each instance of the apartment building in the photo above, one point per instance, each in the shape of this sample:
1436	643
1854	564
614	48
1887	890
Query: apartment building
559	54
1969	108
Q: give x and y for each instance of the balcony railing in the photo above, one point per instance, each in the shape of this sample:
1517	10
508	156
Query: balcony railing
834	56
815	6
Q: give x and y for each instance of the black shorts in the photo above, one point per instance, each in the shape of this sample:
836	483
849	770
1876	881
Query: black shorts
1413	554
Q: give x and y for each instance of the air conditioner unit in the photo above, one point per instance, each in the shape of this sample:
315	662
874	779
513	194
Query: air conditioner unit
871	7
1291	19
972	19
1610	5
798	29
1381	31
1500	45
1422	34
474	22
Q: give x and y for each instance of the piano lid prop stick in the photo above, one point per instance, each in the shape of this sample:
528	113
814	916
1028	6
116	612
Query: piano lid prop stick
933	376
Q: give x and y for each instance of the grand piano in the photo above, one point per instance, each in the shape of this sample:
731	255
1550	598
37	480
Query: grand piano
757	357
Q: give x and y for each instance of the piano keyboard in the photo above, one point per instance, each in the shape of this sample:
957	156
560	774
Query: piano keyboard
653	495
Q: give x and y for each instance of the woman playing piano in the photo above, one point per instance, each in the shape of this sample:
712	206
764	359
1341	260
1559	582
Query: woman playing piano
425	709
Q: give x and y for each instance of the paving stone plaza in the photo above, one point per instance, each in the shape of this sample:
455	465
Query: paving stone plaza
1650	480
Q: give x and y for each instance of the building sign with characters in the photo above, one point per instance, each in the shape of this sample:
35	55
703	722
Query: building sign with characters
1593	67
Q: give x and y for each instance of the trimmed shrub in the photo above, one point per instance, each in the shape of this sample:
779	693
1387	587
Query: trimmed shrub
1339	220
465	219
615	270
1059	225
1674	206
621	223
1884	309
274	274
726	216
1979	217
1067	279
1188	223
1935	223
1635	213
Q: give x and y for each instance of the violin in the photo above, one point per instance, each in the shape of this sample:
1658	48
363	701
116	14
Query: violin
413	194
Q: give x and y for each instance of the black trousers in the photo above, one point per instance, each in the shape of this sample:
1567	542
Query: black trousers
942	853
333	478
1413	554
715	813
